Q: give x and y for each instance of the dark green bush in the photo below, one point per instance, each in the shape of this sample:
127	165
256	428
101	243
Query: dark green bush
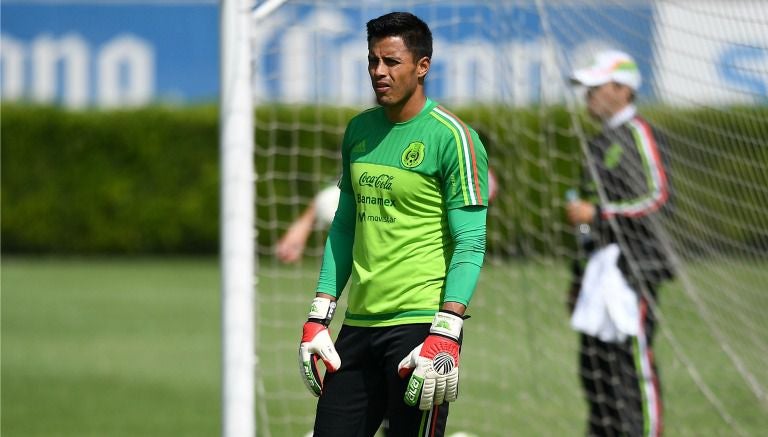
147	180
142	181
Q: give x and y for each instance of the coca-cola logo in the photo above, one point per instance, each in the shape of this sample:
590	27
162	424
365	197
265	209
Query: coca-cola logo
382	181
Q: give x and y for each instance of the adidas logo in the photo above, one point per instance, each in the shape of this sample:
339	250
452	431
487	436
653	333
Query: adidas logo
358	148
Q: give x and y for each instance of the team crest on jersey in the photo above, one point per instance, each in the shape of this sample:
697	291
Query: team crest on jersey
612	156
413	155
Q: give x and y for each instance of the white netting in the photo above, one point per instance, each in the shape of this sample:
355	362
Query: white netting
501	66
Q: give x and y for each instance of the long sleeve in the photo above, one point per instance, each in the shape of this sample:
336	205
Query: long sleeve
651	188
468	230
337	258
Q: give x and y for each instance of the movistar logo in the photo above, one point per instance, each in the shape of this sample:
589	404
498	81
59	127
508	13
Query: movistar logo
361	217
382	181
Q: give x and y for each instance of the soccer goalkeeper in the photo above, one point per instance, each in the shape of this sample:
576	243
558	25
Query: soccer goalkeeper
409	236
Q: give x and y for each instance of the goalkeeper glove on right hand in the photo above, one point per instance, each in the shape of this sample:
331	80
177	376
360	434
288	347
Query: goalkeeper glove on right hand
316	342
435	364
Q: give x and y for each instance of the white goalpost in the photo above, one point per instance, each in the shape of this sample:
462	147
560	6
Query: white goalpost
294	72
237	221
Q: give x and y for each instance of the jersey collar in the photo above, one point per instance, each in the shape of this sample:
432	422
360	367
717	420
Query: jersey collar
621	117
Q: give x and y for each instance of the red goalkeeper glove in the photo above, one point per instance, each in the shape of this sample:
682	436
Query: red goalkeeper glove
316	342
435	364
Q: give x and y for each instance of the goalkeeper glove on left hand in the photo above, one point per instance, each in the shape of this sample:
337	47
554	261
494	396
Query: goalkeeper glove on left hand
316	342
435	364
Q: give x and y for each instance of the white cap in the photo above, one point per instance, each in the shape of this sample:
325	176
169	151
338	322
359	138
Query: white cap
609	66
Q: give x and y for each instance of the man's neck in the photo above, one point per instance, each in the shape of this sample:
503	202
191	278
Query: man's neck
408	110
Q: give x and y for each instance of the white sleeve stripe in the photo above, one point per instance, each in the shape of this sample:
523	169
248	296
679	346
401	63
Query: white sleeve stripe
658	188
468	166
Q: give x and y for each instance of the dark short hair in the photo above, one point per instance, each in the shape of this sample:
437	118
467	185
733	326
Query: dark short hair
414	32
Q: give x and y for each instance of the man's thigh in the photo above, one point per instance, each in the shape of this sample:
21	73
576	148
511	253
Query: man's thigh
394	344
353	401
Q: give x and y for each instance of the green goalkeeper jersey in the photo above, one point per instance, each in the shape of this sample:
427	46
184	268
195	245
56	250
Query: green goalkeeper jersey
404	177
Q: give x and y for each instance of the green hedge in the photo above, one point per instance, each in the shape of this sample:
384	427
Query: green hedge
147	180
720	163
142	181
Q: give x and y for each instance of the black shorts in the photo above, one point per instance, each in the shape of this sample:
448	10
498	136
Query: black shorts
367	388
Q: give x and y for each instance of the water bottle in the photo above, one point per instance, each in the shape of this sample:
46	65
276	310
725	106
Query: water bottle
583	230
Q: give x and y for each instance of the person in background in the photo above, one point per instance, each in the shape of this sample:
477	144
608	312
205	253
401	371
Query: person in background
317	214
409	235
623	263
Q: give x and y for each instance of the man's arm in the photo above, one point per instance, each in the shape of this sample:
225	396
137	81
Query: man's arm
468	230
655	191
337	258
337	265
648	199
434	364
291	245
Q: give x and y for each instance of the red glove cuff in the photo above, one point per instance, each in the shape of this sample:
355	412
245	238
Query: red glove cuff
310	330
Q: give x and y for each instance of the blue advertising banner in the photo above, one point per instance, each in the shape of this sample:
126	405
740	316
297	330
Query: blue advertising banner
110	54
483	51
96	53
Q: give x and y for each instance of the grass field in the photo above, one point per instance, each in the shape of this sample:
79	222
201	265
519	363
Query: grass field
111	347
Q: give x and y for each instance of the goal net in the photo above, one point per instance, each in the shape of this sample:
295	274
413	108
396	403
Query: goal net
502	66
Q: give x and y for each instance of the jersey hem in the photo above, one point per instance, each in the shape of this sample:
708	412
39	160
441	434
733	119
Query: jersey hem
407	318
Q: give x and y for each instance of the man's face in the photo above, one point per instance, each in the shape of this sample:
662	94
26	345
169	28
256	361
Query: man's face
395	74
605	100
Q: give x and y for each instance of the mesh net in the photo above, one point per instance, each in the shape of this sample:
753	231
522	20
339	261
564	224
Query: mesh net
502	67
